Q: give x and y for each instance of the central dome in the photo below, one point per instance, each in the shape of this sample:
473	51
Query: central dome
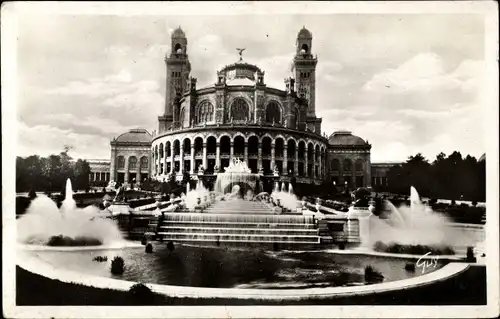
240	70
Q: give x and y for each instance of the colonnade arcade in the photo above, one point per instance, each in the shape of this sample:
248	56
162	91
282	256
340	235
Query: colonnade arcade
349	172
290	156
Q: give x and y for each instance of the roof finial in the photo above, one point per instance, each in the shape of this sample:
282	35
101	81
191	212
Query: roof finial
240	51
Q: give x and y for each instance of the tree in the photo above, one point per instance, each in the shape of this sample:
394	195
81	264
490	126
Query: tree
29	172
398	180
447	177
66	164
22	175
418	168
81	173
49	173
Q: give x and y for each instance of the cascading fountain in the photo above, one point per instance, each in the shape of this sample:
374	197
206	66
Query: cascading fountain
43	221
237	216
236	173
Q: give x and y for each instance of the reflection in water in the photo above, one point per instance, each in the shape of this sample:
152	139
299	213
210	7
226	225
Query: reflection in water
229	268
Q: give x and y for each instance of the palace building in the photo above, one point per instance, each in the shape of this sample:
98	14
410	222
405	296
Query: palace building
275	131
130	156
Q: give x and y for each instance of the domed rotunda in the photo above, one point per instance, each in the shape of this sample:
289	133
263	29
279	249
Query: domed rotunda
276	131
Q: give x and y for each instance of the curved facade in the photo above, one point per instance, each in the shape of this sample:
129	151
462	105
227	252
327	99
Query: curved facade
263	148
276	131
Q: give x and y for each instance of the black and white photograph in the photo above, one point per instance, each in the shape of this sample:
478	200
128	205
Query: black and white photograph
250	159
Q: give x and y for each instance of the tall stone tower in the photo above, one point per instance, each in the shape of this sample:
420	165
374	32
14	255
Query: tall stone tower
304	69
178	69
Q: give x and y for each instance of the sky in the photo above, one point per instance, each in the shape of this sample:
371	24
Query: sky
406	83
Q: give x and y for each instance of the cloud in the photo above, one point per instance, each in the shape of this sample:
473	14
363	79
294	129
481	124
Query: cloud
155	51
142	103
423	73
452	112
92	124
276	68
117	50
356	113
97	109
407	83
123	77
95	87
46	140
464	129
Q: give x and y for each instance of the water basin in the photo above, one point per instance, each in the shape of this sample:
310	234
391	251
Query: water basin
227	267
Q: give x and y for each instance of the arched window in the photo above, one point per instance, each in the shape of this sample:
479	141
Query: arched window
347	165
239	110
161	150
121	162
297	118
144	162
204	112
305	48
168	149
178	48
359	166
132	162
335	164
273	113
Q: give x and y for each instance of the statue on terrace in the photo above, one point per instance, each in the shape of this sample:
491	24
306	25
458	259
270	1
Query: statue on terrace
275	170
201	170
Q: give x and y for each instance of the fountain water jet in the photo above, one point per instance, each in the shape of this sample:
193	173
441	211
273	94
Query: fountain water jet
287	199
199	193
43	220
68	204
416	224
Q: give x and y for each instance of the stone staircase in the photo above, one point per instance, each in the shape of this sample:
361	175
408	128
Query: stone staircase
238	221
238	206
